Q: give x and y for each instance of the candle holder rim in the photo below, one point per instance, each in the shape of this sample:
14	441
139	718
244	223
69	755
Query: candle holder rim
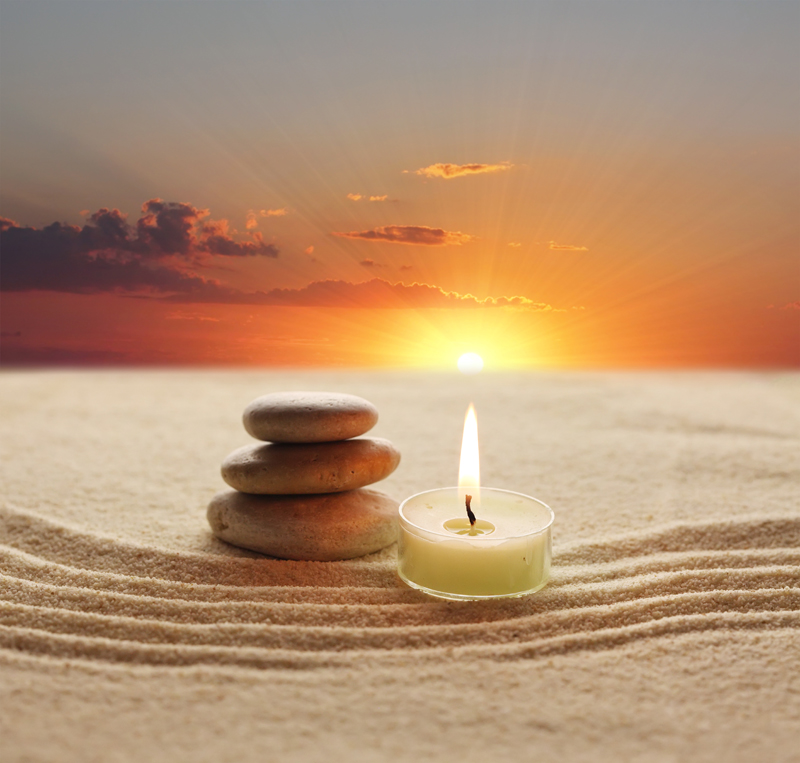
544	528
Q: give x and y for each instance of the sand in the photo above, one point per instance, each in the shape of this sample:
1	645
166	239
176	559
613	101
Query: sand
670	630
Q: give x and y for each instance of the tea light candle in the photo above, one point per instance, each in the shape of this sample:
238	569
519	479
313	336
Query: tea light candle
504	552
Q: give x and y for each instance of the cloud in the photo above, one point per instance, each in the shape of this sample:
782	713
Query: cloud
360	196
791	306
368	263
567	247
376	293
109	254
252	216
450	171
309	250
514	244
406	267
418	235
150	259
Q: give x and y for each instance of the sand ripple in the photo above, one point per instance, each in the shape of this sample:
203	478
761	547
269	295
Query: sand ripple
72	594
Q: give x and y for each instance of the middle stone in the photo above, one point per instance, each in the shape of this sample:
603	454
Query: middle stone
329	467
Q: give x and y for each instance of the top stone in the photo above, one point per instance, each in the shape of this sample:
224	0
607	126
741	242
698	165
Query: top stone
309	417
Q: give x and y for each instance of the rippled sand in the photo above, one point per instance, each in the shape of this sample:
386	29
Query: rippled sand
670	629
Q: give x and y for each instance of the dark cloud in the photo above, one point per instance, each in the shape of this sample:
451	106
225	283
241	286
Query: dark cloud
167	227
368	263
215	239
419	235
109	254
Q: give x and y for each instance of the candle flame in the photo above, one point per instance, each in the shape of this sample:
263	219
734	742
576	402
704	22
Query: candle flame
469	470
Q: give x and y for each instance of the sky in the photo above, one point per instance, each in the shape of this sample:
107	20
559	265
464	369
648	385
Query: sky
549	184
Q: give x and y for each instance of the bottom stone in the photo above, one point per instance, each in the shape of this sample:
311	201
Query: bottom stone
319	528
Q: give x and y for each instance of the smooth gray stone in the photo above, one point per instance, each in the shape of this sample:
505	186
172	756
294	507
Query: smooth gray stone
302	417
321	528
328	467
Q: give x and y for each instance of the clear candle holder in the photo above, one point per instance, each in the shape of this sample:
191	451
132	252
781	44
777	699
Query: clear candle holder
505	554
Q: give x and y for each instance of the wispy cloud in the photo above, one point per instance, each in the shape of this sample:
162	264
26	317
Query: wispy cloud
566	247
364	197
514	244
415	235
449	171
252	216
368	263
376	293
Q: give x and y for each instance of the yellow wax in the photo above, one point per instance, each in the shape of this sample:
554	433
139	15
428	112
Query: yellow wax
510	559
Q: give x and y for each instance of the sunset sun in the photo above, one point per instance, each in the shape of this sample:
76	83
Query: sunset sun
470	363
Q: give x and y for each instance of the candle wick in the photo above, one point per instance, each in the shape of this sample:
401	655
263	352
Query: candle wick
469	512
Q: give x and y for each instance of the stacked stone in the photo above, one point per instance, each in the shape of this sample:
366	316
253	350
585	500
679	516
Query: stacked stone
301	493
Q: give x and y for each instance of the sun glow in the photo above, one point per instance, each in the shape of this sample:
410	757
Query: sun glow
470	363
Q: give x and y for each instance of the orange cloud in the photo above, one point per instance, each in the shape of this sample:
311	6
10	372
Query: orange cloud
567	247
274	212
309	250
514	244
368	263
376	293
449	171
354	196
379	198
252	220
415	235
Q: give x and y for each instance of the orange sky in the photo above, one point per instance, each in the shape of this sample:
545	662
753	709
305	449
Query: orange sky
376	185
